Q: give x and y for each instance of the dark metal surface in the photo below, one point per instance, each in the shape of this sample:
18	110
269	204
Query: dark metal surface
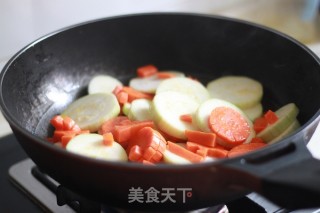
48	74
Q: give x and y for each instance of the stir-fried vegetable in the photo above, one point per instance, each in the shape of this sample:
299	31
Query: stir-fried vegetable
166	117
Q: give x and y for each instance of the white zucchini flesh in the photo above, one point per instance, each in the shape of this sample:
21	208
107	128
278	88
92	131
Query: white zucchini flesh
171	158
242	91
166	109
91	145
140	110
92	110
193	88
286	116
103	84
294	126
254	112
151	83
203	113
147	84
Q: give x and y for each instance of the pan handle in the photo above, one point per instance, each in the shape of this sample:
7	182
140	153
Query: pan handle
287	175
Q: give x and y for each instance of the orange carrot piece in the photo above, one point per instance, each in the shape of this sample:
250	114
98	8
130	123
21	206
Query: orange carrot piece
229	125
117	89
186	118
110	124
147	70
68	123
217	153
244	149
150	142
135	94
164	75
271	117
183	152
260	124
122	97
135	153
257	140
108	139
122	133
203	138
57	122
149	153
66	138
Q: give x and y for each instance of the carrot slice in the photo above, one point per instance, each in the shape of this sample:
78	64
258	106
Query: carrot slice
150	144
183	152
110	124
164	75
271	117
147	70
203	138
229	125
108	139
135	94
244	149
260	124
186	118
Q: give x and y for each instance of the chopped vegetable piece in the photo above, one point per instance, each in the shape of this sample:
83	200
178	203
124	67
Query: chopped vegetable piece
135	94
244	149
229	125
254	112
167	107
122	133
57	122
203	138
186	118
241	91
287	115
146	144
140	110
271	117
164	75
108	139
216	152
183	152
147	70
109	125
171	158
122	97
192	88
65	139
91	111
91	145
260	124
103	83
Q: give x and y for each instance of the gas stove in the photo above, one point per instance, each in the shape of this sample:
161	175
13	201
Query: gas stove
24	188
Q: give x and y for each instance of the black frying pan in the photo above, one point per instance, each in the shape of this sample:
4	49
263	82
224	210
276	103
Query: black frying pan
44	77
